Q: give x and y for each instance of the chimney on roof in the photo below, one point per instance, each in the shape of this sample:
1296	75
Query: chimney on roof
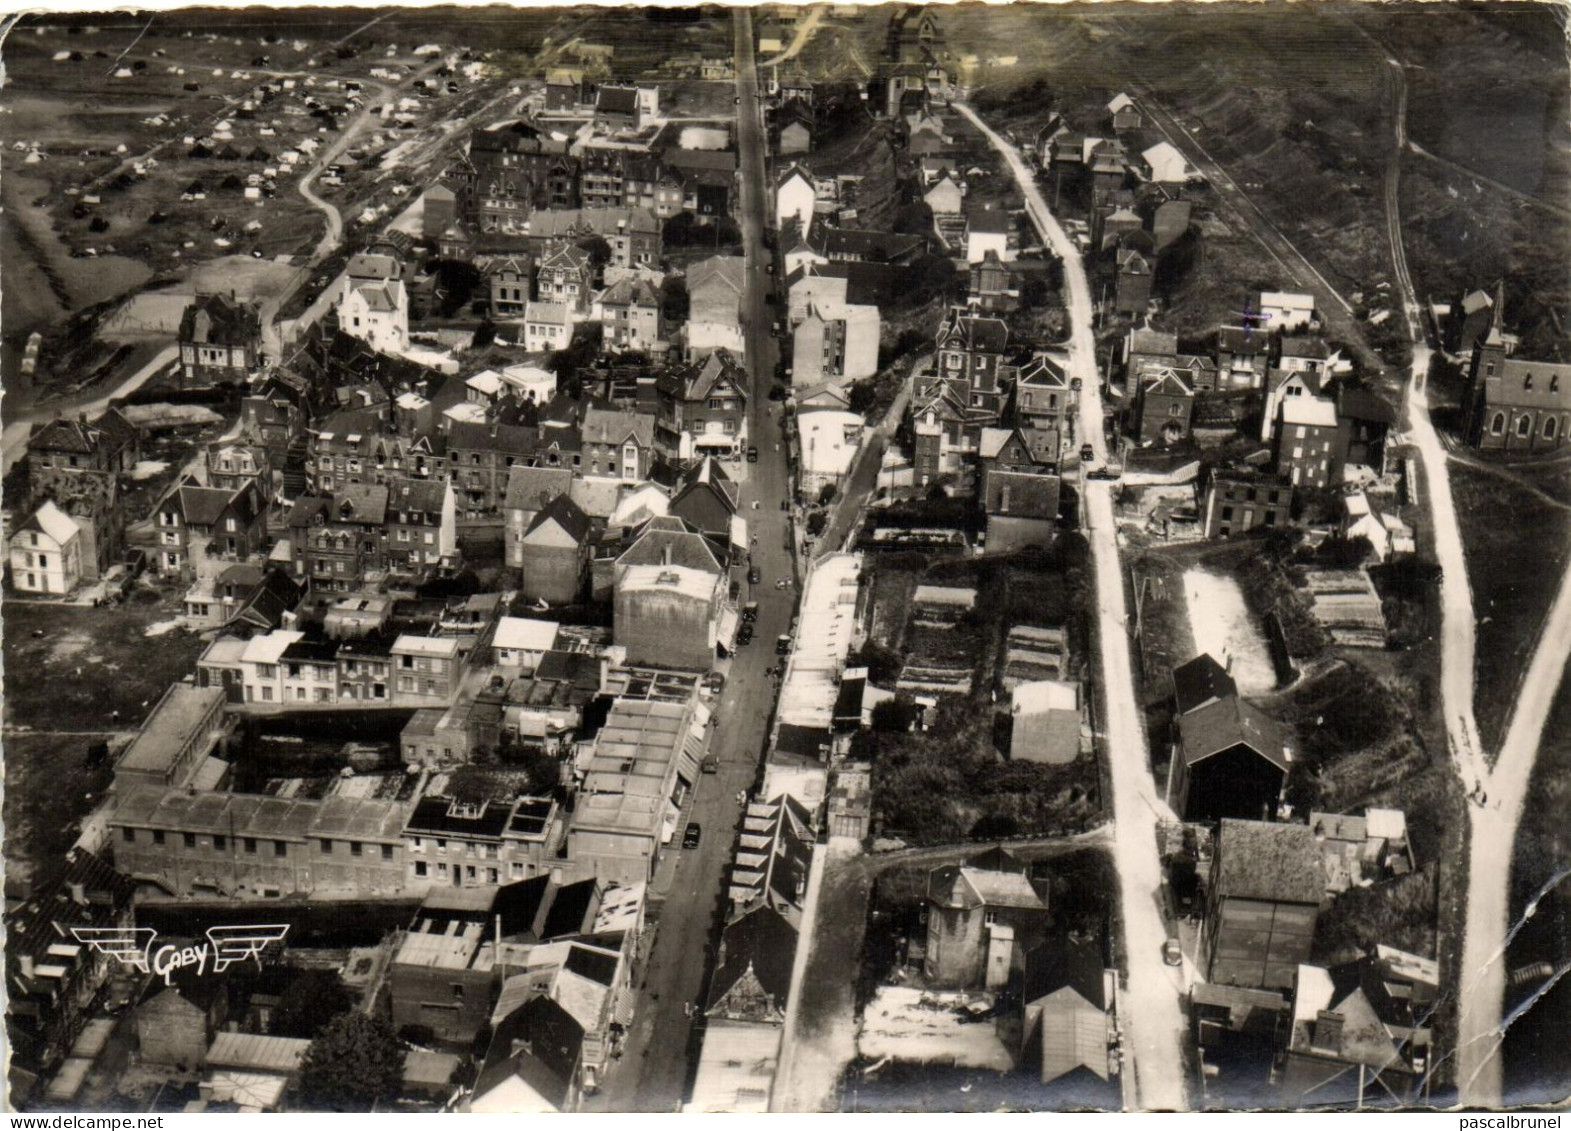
79	893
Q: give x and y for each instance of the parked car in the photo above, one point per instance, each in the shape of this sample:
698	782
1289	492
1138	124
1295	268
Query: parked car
752	454
778	393
691	835
753	576
750	611
1087	452
715	681
1172	953
783	644
744	634
1103	473
736	590
710	765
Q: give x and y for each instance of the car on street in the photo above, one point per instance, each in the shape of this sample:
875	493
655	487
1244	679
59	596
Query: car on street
752	454
1105	473
744	635
783	644
711	765
750	611
715	681
1172	953
753	576
778	393
691	835
1087	452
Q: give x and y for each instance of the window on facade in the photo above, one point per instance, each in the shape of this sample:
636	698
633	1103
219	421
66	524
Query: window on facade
1527	383
420	868
128	835
327	847
1524	425
356	848
158	836
280	848
387	852
1549	428
220	843
190	839
250	844
1498	424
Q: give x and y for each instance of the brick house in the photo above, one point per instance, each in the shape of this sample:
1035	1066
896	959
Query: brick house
339	540
1309	442
1512	404
63	449
508	281
617	443
631	316
195	522
701	408
1162	408
1235	503
566	276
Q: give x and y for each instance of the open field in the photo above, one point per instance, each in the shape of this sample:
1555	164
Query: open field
1501	522
49	788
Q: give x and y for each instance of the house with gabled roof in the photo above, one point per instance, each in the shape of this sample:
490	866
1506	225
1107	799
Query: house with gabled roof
1043	397
631	316
715	288
337	540
618	443
532	1066
195	521
1069	1025
1163	408
701	408
220	340
529	490
67	447
421	531
707	498
376	311
46	552
1262	900
983	917
566	276
1199	683
1230	762
508	281
1126	115
554	552
796	196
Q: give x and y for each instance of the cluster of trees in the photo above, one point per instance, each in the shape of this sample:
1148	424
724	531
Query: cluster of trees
686	230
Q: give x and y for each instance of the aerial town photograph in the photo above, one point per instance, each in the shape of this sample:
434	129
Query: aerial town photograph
787	558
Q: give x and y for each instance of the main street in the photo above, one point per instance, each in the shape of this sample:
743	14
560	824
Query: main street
688	897
1153	1021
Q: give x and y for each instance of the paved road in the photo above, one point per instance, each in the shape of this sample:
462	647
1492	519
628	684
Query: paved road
653	1072
1153	1020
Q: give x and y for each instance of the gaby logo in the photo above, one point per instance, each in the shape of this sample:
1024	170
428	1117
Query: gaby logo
134	947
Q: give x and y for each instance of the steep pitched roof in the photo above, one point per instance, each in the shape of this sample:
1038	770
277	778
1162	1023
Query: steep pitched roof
1201	681
961	330
50	520
612	426
1226	723
219	320
761	945
540	1043
566	514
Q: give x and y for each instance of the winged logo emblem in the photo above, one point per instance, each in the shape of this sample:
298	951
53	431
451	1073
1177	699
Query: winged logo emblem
135	947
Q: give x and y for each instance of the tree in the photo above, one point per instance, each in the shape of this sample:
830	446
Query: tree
1034	293
310	1002
826	495
863	397
914	219
896	715
354	1063
599	253
674	301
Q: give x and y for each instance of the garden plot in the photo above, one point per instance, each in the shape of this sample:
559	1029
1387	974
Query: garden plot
926	1026
1221	625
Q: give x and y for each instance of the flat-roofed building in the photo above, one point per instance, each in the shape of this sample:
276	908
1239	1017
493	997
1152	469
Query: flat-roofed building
246	846
645	761
175	741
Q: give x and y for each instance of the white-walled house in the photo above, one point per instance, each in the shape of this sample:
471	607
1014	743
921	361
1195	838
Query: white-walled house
835	342
1164	164
46	552
377	313
795	197
547	327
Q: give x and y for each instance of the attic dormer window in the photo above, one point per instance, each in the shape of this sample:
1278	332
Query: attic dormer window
1527	383
1554	382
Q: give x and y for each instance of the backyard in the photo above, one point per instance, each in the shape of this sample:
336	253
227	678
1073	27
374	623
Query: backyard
76	676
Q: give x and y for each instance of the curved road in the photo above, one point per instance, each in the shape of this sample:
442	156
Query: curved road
1150	1011
1493	826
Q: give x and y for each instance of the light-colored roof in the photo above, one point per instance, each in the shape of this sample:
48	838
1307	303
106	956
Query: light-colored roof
523	633
1315	411
695	583
1120	100
253	1050
53	522
550	313
1039	695
426	645
488	381
173	723
1287	300
266	649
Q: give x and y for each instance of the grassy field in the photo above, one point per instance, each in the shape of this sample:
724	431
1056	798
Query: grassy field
1501	522
68	671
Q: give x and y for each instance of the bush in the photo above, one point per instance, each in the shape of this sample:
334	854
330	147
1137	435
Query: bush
897	715
309	1002
883	663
